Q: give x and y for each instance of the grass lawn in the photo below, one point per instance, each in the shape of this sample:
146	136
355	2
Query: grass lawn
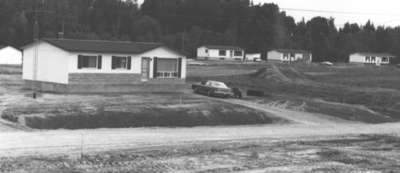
347	91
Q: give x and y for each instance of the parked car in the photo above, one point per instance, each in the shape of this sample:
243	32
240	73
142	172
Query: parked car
212	88
257	60
327	63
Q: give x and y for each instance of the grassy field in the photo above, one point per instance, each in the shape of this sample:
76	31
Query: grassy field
364	153
55	111
362	93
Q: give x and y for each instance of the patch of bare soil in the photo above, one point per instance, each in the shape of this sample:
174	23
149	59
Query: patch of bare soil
365	153
82	112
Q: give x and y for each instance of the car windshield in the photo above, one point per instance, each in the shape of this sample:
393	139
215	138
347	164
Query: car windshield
216	84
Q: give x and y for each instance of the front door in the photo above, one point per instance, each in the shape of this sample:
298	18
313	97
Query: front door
145	69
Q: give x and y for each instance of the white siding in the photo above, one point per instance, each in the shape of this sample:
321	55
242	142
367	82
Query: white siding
54	64
360	58
201	52
105	64
10	56
275	55
298	56
162	52
253	56
385	62
136	62
27	64
357	58
214	54
51	65
184	69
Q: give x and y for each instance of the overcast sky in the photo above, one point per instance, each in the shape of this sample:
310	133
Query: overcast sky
382	12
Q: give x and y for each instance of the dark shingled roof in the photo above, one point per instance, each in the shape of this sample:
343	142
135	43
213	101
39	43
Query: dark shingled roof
100	46
223	47
291	50
375	54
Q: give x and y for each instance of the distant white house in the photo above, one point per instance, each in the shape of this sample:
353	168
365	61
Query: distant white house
255	57
289	55
94	66
215	52
371	58
10	56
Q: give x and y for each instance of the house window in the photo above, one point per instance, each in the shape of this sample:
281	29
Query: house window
285	56
89	61
368	59
373	59
121	62
167	68
206	50
238	53
292	55
385	59
222	52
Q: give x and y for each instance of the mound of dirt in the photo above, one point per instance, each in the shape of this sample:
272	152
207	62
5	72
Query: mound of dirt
272	74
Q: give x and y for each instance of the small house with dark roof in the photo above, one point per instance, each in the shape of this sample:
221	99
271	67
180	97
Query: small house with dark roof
371	58
289	55
216	52
10	56
96	66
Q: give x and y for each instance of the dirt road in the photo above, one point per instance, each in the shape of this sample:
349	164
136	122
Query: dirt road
19	143
294	116
65	141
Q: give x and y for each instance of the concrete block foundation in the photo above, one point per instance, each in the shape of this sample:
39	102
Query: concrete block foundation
108	83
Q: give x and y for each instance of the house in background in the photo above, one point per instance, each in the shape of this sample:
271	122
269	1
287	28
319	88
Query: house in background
214	52
289	55
371	58
255	57
10	56
93	66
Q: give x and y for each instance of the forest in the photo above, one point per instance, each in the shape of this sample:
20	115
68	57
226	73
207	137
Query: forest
186	24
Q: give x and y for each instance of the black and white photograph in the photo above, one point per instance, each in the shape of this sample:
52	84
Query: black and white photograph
199	86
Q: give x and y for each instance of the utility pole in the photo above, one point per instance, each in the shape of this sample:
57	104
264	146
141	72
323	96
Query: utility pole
35	40
183	38
36	35
36	10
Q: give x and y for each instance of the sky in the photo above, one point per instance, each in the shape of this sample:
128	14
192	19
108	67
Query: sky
382	12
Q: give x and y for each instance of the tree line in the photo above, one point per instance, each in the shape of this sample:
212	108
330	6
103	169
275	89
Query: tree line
187	24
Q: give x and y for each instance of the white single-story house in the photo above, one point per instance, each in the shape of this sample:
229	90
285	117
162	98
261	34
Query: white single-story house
94	66
255	57
371	58
10	55
289	55
214	52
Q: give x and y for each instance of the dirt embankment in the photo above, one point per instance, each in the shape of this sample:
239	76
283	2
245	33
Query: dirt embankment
115	112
